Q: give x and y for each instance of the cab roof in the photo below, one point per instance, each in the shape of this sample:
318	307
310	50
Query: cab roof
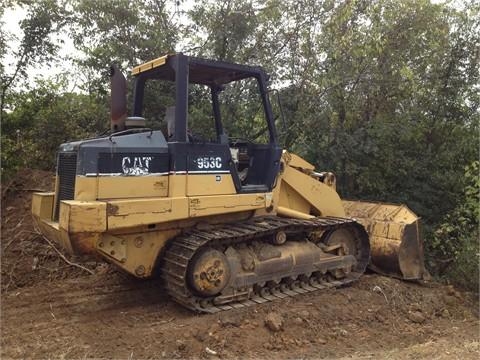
200	71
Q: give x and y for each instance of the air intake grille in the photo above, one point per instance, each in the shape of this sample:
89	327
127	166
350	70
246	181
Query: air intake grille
66	170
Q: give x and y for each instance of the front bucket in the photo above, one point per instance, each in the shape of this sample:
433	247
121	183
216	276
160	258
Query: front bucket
395	238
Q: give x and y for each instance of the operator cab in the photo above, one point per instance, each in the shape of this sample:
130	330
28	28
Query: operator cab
217	121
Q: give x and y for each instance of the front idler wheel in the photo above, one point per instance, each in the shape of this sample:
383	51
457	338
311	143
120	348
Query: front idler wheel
343	241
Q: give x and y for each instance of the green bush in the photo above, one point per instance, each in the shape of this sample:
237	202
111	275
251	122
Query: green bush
454	248
41	120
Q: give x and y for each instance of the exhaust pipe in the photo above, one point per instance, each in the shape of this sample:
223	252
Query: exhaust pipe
118	93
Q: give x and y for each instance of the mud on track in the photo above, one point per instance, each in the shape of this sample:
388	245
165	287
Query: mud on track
52	310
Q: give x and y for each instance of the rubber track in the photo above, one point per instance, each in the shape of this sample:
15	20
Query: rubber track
183	248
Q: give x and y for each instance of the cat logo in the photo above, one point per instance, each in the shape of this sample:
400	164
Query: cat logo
136	165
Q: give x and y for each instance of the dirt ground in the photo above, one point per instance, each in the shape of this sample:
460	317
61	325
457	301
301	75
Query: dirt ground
50	309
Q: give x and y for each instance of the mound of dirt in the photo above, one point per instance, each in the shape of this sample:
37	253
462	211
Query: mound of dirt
27	258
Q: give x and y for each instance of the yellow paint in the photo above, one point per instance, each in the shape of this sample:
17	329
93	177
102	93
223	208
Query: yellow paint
380	211
141	250
113	246
150	65
277	190
384	221
221	204
57	183
324	200
128	213
293	213
53	232
207	184
83	216
297	162
86	188
291	199
268	200
124	187
390	241
177	185
42	205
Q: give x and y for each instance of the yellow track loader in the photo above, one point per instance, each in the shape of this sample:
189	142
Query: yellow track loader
226	222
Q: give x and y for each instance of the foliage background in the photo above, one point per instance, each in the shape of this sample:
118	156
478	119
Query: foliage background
385	93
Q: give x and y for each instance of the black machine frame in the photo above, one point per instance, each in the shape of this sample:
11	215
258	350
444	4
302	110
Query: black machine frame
184	70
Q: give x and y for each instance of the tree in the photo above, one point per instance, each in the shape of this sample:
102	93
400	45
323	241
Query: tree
43	118
454	249
124	32
127	33
382	119
44	18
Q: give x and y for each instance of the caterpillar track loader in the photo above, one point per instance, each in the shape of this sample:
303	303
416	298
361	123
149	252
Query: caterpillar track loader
226	222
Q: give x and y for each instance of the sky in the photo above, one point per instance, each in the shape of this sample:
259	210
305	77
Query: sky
67	52
11	19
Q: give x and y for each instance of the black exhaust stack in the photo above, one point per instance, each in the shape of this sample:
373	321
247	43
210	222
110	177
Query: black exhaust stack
118	93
